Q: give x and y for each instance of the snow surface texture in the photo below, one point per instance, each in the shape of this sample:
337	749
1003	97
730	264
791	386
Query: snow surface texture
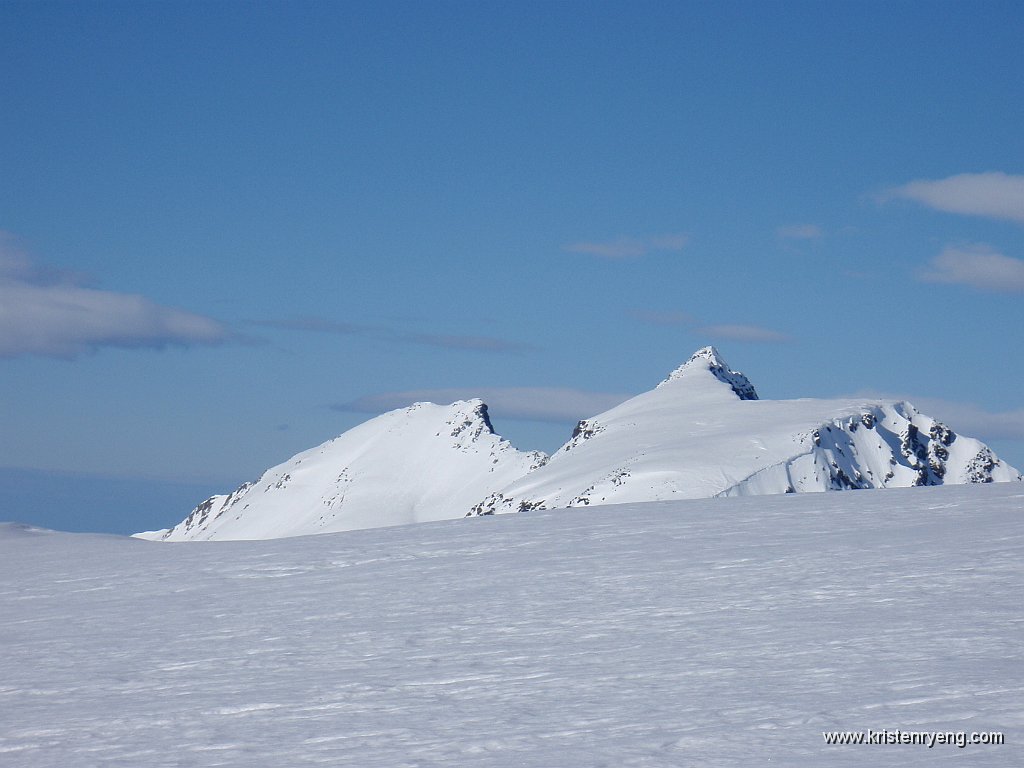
716	632
702	432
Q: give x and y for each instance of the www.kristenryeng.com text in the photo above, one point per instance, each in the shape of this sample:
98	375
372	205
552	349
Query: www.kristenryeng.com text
930	739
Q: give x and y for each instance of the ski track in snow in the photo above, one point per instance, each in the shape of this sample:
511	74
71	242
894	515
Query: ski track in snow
722	632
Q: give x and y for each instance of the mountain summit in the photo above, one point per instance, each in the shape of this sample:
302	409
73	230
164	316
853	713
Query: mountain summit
701	432
708	359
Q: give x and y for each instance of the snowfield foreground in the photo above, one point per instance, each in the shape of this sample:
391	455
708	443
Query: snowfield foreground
717	632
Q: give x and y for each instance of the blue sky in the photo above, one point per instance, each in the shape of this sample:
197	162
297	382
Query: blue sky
231	231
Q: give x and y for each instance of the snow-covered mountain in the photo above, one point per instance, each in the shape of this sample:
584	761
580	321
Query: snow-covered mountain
702	432
410	465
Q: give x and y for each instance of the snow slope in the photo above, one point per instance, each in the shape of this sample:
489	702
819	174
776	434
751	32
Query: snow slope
717	633
703	432
410	465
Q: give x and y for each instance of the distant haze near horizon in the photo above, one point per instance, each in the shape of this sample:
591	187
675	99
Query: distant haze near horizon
230	232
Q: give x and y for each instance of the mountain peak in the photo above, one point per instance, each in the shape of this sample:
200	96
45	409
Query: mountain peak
470	418
414	464
709	359
709	353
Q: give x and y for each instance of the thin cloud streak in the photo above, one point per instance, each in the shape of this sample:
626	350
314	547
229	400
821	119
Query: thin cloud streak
976	266
993	195
664	319
974	421
623	248
629	247
315	324
46	313
674	242
735	332
800	232
724	331
470	343
547	404
382	333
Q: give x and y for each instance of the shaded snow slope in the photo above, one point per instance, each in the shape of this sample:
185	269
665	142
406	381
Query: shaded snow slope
721	633
703	432
426	462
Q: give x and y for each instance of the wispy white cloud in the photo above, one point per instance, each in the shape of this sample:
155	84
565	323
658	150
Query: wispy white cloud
973	420
800	232
549	404
630	247
48	313
977	266
993	195
315	324
735	332
470	343
724	331
623	248
675	242
383	333
668	318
